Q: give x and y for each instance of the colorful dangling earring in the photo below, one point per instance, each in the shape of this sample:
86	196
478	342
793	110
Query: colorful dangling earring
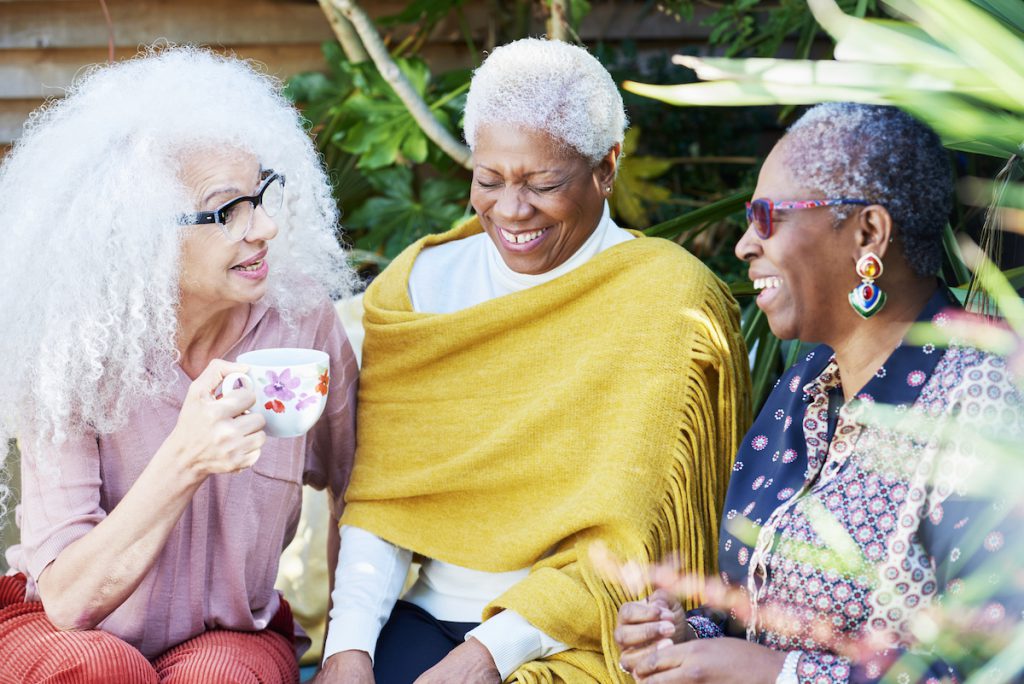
867	299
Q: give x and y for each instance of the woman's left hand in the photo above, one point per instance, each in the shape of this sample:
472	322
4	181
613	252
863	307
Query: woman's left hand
470	661
719	661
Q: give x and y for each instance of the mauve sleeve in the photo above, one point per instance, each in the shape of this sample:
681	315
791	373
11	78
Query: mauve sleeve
332	441
60	499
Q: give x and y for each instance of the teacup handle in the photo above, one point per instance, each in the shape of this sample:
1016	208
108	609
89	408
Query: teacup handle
227	386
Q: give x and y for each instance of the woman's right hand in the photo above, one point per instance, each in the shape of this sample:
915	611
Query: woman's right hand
346	667
217	435
657	621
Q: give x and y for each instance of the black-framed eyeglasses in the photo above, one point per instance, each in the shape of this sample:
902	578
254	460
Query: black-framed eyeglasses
235	216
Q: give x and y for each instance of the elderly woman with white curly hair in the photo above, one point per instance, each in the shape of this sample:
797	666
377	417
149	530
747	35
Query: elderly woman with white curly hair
149	242
535	380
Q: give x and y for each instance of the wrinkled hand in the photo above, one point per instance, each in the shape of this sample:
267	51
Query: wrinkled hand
347	667
216	435
470	661
722	661
643	626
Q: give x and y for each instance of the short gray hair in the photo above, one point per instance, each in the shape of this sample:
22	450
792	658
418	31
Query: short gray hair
884	155
552	86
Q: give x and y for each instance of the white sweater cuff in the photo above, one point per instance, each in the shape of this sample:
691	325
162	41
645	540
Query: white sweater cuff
367	582
512	641
354	632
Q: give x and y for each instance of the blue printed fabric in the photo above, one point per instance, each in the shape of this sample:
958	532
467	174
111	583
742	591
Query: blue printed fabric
843	525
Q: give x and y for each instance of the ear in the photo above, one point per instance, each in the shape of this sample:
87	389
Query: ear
605	170
873	231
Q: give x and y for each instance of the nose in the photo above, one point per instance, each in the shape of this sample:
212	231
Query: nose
264	228
749	245
510	206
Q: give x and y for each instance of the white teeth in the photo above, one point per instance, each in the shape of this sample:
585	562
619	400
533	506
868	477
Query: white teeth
763	283
251	267
520	238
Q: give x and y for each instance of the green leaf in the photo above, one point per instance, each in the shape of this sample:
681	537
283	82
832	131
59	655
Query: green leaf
693	221
429	12
399	217
417	71
954	259
414	147
394	182
1010	12
578	9
975	36
632	191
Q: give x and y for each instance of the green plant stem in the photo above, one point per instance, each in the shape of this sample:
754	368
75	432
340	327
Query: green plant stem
346	34
442	101
419	110
558	20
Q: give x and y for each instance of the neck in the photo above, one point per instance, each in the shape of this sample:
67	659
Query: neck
207	332
868	343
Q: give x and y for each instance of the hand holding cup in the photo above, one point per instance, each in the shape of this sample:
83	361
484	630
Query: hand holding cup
216	435
290	384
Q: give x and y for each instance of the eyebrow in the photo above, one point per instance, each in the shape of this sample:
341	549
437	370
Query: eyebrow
530	173
221	191
231	190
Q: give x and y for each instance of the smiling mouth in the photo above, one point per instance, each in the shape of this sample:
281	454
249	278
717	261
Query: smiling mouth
521	238
254	266
767	283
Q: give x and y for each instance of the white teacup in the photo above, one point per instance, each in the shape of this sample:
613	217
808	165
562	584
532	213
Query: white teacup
290	384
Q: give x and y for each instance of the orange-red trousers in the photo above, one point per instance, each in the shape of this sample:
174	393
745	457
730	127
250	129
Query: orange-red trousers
33	651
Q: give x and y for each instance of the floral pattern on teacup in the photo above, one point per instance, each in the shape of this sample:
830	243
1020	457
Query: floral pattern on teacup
283	387
280	386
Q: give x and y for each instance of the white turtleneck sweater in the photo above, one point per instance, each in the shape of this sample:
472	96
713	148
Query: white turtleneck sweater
371	571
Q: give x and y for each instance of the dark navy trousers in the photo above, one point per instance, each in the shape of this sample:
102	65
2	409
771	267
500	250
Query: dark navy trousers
412	642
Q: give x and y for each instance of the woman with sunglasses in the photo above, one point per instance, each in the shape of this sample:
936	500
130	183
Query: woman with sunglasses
150	239
839	532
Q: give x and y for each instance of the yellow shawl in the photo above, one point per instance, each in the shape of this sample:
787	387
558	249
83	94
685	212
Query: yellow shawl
606	404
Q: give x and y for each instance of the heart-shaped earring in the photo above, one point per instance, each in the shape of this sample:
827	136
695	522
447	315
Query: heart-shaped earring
867	299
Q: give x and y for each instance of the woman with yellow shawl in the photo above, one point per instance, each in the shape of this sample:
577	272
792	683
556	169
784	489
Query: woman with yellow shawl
535	380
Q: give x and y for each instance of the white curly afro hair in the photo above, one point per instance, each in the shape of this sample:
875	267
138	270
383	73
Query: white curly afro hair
91	210
547	85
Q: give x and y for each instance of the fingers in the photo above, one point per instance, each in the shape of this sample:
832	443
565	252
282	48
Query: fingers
630	658
646	634
667	657
234	404
664	599
637	612
230	404
248	459
250	423
214	373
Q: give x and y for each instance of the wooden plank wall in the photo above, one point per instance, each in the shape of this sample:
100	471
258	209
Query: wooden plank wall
44	43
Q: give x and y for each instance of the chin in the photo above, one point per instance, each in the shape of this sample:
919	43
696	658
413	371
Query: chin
783	329
251	295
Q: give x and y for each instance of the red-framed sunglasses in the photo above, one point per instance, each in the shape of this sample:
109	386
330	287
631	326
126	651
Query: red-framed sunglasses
759	211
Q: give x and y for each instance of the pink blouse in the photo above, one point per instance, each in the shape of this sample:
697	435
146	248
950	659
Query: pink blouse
218	566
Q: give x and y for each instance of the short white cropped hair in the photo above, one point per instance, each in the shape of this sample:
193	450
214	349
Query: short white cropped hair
90	207
551	86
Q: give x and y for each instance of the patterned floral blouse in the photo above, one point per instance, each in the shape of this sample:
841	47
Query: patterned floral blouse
857	527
